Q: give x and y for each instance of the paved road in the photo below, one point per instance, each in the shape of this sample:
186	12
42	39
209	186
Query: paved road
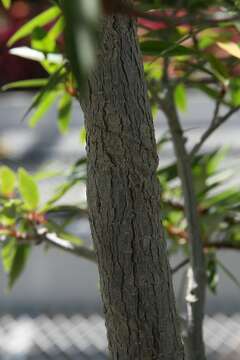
57	281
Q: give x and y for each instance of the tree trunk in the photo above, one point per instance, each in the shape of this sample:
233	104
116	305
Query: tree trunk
123	199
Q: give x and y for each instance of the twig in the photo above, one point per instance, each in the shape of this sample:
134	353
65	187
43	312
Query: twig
207	244
180	265
222	245
218	121
54	240
186	20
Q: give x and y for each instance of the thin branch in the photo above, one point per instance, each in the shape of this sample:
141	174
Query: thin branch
207	244
173	203
178	205
222	245
180	266
51	238
196	288
215	124
188	19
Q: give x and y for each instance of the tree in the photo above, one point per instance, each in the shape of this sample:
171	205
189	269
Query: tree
123	191
123	199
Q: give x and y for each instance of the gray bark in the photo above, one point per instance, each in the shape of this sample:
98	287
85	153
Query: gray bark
123	198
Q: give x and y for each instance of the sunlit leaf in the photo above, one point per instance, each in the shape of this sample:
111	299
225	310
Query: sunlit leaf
83	135
7	180
46	41
47	101
57	29
46	97
180	97
28	189
231	48
235	91
40	20
46	174
6	3
25	84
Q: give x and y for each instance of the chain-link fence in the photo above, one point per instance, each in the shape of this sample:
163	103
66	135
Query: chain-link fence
77	337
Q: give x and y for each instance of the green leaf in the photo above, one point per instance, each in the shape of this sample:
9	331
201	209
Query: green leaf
57	29
61	233
9	212
8	252
47	101
235	91
46	41
180	97
28	189
42	19
40	42
209	91
71	238
223	198
64	112
215	160
47	174
32	83
83	135
18	264
212	273
51	87
6	3
67	210
7	180
218	67
60	192
161	48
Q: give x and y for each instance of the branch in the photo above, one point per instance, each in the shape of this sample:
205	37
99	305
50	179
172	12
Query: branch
196	288
211	245
173	21
178	205
222	245
51	238
179	266
216	245
216	122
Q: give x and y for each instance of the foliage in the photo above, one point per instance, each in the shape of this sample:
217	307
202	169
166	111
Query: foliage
200	51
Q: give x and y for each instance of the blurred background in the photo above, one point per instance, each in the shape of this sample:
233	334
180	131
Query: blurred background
54	310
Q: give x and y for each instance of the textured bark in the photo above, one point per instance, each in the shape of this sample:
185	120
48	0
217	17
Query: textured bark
123	198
